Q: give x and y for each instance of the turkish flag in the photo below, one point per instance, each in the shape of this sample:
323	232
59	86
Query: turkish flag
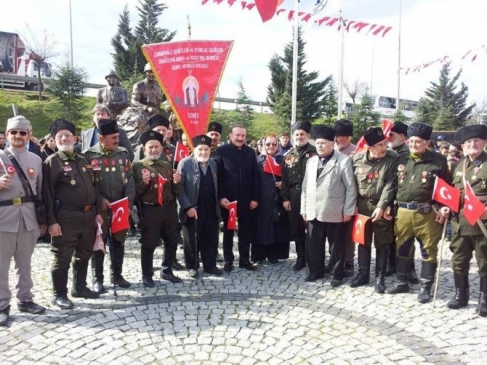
182	151
387	125
232	215
188	73
161	181
446	194
272	167
361	144
473	208
120	215
358	232
267	8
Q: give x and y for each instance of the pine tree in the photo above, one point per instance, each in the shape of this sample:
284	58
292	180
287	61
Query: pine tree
330	102
364	117
444	105
245	110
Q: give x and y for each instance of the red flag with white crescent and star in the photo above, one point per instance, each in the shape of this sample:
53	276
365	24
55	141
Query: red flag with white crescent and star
232	215
358	232
387	125
473	208
120	215
181	152
161	181
446	194
361	144
272	167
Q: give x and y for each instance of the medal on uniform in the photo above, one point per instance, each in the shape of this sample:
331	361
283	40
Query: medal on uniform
474	177
120	162
155	186
400	168
113	165
376	174
369	178
105	162
152	174
482	185
73	182
67	168
66	162
412	178
307	155
84	169
30	171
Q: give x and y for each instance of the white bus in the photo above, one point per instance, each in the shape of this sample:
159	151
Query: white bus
386	106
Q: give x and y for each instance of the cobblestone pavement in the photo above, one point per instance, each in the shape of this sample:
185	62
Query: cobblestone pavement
266	317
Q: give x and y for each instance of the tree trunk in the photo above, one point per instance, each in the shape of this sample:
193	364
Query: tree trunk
40	80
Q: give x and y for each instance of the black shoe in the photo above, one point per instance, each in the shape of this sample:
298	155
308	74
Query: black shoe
313	277
219	258
148	282
299	265
98	287
177	266
274	261
398	288
63	302
228	267
121	282
336	282
348	269
248	266
31	307
380	286
4	316
170	277
214	271
84	293
359	280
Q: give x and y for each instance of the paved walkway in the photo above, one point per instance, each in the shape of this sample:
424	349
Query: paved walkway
266	317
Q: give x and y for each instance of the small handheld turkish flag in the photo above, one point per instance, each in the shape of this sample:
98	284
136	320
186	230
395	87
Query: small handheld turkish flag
161	181
387	125
120	215
361	144
232	215
472	207
181	152
272	167
358	232
446	194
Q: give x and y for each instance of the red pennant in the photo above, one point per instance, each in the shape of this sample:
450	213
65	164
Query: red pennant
232	215
272	167
361	144
358	232
387	125
189	74
120	215
181	152
472	207
161	181
446	194
267	8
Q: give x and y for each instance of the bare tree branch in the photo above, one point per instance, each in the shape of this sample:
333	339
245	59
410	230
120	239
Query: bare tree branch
355	89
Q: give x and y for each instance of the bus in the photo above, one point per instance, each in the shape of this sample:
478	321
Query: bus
386	106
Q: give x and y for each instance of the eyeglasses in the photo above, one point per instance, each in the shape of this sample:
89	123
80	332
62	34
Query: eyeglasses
270	144
22	133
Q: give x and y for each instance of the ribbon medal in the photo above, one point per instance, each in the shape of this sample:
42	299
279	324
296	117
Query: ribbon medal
424	174
96	165
113	165
30	171
105	162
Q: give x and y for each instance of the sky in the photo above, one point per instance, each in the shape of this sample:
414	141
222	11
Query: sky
431	29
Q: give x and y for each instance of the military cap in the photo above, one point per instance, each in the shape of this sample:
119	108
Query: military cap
324	132
107	126
215	127
305	126
343	127
374	135
147	67
472	131
201	139
420	130
158	120
151	136
18	122
60	124
111	73
400	128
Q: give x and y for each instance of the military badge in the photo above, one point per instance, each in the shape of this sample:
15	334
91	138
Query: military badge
30	171
400	167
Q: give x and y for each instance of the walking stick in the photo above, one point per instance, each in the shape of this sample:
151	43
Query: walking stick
439	261
110	246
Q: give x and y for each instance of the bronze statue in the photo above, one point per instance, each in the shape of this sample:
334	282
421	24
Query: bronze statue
134	122
114	97
147	94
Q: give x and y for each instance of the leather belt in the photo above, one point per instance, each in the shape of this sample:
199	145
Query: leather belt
74	208
16	201
412	205
157	204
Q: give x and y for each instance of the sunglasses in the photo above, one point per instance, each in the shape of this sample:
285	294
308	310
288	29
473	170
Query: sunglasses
271	144
22	133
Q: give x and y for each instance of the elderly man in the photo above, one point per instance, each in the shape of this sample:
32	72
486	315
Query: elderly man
90	136
417	217
159	124
292	178
73	206
215	130
147	94
19	227
328	201
199	208
374	174
238	180
157	220
113	97
114	176
465	237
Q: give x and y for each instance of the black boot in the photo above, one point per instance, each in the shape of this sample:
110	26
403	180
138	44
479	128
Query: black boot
482	306
60	289
401	285
79	288
381	256
363	276
428	273
412	276
391	265
301	253
462	292
147	262
97	259
117	263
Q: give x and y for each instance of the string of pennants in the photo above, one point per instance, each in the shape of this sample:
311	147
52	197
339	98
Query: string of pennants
446	60
374	29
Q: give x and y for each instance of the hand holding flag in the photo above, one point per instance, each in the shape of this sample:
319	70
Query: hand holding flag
272	167
120	215
358	231
446	194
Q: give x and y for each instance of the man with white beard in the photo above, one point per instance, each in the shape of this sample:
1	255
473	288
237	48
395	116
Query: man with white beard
397	140
199	208
73	207
157	220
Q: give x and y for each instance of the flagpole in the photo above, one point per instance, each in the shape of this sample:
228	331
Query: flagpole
399	59
294	93
272	170
342	56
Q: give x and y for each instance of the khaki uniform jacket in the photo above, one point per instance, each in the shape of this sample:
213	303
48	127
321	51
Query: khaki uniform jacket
12	215
148	193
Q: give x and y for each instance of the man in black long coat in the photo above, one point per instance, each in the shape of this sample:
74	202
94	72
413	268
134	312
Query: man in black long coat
238	179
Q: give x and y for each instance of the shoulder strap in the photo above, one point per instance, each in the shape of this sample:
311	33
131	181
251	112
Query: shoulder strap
25	181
